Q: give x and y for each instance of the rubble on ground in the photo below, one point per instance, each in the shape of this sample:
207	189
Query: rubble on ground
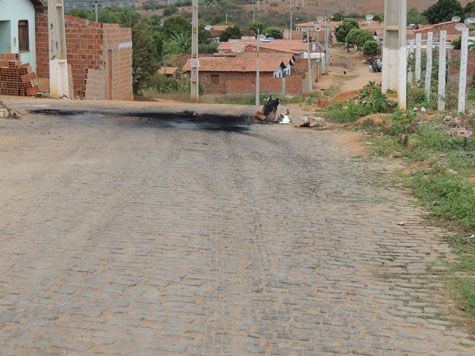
6	112
308	121
457	127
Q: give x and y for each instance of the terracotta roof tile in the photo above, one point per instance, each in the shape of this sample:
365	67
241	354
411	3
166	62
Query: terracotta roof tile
244	62
289	46
167	70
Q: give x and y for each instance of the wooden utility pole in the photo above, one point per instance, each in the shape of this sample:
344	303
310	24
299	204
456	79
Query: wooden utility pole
58	65
394	49
194	61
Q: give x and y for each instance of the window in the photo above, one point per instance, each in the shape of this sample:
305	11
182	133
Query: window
214	79
23	39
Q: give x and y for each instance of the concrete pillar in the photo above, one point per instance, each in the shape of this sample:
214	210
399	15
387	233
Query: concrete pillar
442	69
310	88
428	81
463	70
283	85
418	58
394	49
194	61
410	75
58	64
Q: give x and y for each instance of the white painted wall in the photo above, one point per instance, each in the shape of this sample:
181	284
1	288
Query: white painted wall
14	11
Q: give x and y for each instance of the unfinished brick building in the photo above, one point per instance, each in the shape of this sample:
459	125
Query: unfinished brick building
99	55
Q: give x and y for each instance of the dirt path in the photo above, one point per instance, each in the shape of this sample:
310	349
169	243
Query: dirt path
357	71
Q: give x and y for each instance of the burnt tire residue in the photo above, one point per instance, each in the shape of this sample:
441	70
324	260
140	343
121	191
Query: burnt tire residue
211	122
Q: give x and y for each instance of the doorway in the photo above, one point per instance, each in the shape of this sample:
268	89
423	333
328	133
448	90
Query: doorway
5	37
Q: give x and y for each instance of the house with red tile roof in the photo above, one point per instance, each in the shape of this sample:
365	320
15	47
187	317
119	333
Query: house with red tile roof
169	72
235	73
218	30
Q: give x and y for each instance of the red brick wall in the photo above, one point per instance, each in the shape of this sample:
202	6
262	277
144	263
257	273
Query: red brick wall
454	68
119	41
87	44
293	84
244	83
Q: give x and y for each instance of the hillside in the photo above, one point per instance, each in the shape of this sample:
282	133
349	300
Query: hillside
310	7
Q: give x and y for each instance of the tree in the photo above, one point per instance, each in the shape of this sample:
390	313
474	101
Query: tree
274	32
362	37
338	16
443	11
414	17
469	10
170	10
352	36
181	41
145	59
258	26
231	32
358	37
175	24
344	28
371	49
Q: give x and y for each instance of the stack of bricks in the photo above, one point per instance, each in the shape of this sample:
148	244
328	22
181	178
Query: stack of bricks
16	78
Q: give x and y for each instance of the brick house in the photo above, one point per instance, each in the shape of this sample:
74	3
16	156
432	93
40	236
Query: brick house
99	56
236	74
449	26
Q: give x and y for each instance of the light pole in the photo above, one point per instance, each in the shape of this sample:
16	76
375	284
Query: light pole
194	61
310	88
291	15
96	10
257	70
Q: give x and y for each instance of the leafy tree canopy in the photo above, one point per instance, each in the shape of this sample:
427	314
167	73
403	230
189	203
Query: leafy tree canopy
469	10
344	28
258	26
274	32
338	16
371	49
443	11
230	32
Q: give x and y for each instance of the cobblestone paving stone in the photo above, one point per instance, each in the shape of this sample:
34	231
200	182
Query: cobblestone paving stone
143	237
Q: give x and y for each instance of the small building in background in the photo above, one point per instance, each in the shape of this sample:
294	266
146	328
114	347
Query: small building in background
235	73
169	72
17	28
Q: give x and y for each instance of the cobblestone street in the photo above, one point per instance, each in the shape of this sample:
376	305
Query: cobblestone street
140	234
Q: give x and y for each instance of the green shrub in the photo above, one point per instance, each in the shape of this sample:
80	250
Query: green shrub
401	123
450	196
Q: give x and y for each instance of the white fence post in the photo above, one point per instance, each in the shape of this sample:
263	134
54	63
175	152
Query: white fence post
428	65
442	69
463	70
418	57
410	76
